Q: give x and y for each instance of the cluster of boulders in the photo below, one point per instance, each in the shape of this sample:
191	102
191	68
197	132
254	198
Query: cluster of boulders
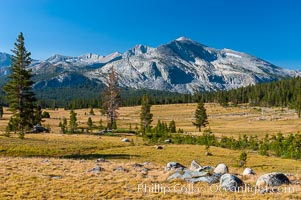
220	174
208	174
138	167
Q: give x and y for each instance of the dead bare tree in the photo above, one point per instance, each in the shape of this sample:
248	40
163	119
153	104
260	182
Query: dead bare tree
111	99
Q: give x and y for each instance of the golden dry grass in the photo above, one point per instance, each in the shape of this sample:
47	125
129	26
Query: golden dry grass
229	121
51	178
32	178
61	145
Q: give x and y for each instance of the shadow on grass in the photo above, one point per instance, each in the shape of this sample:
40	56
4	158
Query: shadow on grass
261	166
95	156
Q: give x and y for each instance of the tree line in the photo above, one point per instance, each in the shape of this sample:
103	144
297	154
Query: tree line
271	145
72	97
282	93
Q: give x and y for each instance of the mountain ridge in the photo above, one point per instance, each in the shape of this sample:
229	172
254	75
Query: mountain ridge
182	65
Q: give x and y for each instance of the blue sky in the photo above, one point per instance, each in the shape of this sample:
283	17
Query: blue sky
267	29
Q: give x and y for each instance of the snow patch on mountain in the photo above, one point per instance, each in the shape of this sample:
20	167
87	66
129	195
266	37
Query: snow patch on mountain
182	38
233	55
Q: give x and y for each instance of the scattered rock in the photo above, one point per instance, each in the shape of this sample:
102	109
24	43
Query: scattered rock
158	147
96	169
207	153
231	183
272	179
144	171
177	175
146	163
174	165
195	176
194	166
46	161
120	169
188	174
288	174
136	165
221	169
101	160
248	171
51	176
39	129
209	169
167	141
125	140
268	190
207	179
55	177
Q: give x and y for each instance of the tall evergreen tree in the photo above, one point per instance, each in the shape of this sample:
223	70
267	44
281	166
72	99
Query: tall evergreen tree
73	121
18	89
145	114
112	100
200	116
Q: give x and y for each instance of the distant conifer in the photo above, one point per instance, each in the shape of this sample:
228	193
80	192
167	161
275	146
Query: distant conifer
145	114
200	116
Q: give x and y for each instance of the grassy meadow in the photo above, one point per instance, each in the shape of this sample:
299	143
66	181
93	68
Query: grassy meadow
56	166
227	121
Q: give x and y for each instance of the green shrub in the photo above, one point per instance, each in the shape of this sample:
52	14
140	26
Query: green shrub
45	114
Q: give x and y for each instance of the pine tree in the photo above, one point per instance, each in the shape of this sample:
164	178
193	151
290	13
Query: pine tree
100	125
18	89
73	121
111	99
1	111
297	105
200	116
145	114
172	126
91	111
53	105
90	123
63	125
